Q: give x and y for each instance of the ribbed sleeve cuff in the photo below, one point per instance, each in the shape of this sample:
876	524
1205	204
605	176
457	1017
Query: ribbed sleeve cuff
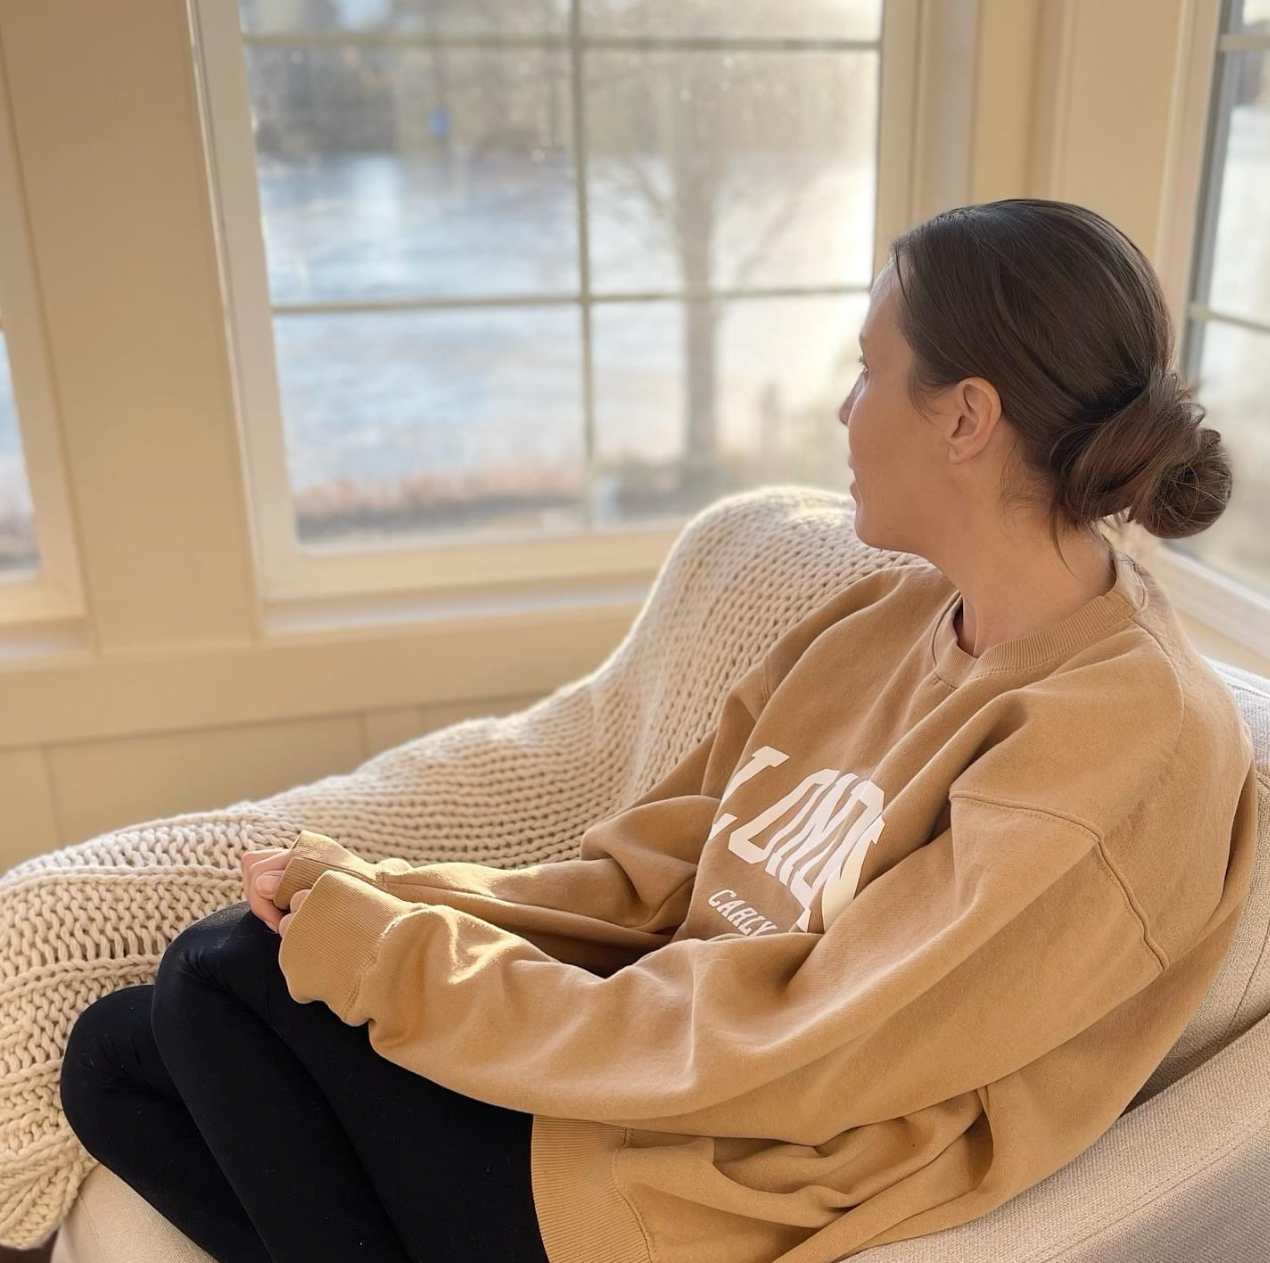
334	937
310	855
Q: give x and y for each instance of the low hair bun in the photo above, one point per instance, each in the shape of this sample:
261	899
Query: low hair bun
1154	459
1194	493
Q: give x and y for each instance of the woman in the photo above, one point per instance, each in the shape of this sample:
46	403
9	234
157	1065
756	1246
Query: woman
902	935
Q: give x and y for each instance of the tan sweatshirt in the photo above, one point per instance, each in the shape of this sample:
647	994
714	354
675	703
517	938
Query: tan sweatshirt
900	937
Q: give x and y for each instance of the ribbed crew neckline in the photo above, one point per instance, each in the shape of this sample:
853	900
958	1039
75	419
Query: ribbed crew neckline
954	665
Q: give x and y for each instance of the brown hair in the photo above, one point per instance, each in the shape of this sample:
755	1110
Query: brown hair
1065	316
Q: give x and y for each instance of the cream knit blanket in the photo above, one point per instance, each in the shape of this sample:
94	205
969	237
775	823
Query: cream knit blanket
518	789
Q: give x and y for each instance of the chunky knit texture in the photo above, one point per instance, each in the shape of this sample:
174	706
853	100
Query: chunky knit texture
506	791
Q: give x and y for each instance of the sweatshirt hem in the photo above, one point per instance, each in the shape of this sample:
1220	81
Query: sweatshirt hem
583	1217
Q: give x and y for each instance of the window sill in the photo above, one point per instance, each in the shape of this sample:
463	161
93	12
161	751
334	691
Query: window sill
318	660
448	609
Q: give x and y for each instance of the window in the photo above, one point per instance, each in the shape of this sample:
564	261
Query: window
518	287
1222	575
1227	343
39	570
18	551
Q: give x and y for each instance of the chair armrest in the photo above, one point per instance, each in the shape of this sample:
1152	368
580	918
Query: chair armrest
1183	1176
110	1222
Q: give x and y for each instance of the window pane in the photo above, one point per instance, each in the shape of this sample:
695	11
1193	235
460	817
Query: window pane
399	422
696	400
451	17
712	169
18	549
1255	16
1234	381
1240	280
393	172
828	19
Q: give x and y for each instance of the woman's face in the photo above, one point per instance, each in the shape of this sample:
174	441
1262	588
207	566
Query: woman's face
882	427
913	473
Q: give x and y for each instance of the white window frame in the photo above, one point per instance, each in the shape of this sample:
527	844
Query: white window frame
53	592
291	577
1218	601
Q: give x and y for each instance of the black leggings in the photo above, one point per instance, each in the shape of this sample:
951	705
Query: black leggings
271	1132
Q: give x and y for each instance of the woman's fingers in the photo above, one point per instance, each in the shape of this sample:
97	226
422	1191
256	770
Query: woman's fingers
252	860
296	900
257	865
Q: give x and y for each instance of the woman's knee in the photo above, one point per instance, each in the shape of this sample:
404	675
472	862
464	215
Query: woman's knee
211	948
100	1052
228	950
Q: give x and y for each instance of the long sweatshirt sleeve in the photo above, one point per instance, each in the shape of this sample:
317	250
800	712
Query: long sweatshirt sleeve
941	960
